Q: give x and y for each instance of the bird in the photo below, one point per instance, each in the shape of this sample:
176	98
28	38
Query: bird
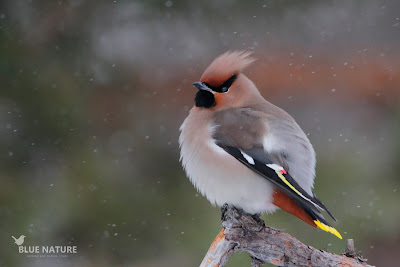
239	149
20	240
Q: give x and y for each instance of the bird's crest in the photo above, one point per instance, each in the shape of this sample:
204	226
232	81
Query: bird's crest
226	65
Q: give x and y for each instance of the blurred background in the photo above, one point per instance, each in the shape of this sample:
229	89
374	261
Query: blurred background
92	94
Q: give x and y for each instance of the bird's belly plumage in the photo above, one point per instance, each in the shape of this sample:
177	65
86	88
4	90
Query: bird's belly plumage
223	179
220	177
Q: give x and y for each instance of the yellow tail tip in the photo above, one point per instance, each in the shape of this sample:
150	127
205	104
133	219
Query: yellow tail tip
328	228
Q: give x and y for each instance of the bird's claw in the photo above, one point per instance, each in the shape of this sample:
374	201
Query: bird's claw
239	212
259	221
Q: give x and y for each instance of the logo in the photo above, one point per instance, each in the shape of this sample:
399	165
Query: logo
44	251
20	240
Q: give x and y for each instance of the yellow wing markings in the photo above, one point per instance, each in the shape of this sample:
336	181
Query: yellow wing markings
327	228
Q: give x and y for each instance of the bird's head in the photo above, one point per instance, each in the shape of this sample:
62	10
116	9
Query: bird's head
223	85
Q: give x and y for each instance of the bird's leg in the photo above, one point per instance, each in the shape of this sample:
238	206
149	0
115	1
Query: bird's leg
259	221
224	209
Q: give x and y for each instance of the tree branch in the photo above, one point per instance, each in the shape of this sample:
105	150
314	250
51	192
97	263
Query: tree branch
241	232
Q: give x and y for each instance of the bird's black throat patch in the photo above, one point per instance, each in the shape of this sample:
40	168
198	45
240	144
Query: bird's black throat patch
204	99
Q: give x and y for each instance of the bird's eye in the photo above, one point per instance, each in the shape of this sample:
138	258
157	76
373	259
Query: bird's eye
223	88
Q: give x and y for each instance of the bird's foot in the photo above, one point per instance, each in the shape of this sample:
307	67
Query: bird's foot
259	221
238	213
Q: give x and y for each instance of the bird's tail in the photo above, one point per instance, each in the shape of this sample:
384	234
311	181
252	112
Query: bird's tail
319	219
14	238
304	211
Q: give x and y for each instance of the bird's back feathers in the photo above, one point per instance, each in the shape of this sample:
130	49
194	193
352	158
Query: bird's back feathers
256	127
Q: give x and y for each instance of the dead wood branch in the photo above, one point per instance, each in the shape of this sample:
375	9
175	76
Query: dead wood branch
242	233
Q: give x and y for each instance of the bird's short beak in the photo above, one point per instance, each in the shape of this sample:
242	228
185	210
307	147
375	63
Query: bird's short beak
201	86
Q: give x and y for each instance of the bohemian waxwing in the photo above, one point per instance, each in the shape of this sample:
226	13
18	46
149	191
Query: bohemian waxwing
241	150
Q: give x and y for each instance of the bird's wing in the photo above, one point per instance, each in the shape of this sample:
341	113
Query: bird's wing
238	132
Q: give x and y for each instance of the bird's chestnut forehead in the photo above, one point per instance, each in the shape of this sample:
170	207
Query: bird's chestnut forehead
225	66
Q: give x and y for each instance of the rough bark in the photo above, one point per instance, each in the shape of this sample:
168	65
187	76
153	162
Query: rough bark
241	232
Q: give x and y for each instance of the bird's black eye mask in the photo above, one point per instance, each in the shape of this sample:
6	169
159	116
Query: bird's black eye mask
206	99
223	88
